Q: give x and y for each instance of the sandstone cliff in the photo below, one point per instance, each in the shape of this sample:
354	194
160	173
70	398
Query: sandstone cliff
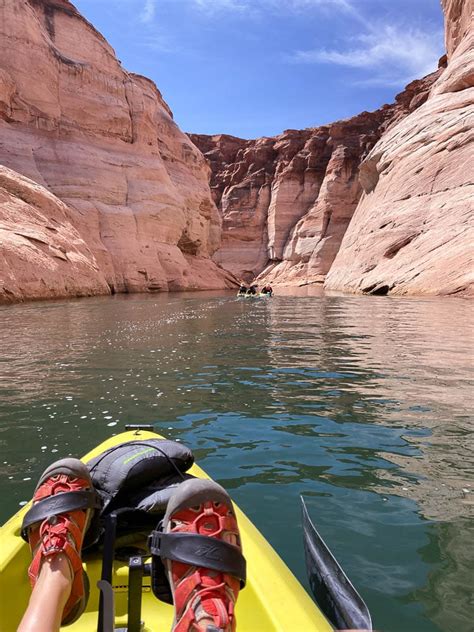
380	203
413	231
104	142
42	253
286	201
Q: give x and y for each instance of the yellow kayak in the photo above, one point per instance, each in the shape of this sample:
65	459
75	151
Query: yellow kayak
273	599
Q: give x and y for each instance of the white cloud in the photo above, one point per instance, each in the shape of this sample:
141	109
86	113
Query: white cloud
255	6
308	4
212	6
148	11
159	43
393	54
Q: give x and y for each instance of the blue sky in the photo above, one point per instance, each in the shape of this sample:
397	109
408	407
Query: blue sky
256	67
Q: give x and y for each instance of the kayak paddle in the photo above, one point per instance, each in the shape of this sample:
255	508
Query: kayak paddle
334	593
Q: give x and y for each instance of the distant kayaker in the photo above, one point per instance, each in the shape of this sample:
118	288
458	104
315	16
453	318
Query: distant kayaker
267	289
242	289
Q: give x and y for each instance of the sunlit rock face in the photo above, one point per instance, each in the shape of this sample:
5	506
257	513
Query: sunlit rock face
286	201
104	142
413	230
42	255
381	203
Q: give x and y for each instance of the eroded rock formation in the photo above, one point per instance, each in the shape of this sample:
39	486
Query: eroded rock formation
413	231
104	142
41	253
286	201
380	203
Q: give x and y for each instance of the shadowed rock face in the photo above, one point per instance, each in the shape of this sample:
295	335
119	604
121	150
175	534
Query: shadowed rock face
413	229
104	142
286	201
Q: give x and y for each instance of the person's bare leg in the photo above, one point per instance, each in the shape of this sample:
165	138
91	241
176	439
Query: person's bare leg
49	596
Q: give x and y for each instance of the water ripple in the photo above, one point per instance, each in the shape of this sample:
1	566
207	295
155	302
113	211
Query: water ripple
362	404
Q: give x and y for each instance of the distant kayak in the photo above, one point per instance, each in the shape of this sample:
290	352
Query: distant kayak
239	296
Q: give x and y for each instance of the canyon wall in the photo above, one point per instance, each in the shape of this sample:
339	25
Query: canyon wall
413	231
286	201
41	253
126	185
100	191
380	203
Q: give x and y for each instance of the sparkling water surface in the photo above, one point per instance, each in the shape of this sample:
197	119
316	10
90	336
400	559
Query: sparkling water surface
362	404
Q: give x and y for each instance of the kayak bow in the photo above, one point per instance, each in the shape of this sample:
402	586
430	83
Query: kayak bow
272	601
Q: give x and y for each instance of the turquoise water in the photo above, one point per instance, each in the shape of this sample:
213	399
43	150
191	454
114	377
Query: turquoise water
362	404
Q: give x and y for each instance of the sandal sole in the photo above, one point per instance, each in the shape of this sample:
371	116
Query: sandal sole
193	493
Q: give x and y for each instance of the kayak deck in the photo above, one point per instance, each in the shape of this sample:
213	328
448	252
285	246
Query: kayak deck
273	599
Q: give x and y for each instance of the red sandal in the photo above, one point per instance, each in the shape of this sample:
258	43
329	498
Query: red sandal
201	551
63	504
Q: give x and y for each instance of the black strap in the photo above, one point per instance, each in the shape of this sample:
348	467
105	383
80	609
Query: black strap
107	570
58	504
108	607
200	550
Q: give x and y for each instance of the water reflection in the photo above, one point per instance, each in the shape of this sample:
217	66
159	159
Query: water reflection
362	404
400	363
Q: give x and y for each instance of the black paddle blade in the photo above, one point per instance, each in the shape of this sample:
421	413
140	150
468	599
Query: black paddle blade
335	595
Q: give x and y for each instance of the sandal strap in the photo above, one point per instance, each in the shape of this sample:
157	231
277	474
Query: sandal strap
196	585
64	502
201	551
186	621
212	606
66	549
57	536
185	589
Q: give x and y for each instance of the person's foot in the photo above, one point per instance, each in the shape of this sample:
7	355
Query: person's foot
61	532
204	599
